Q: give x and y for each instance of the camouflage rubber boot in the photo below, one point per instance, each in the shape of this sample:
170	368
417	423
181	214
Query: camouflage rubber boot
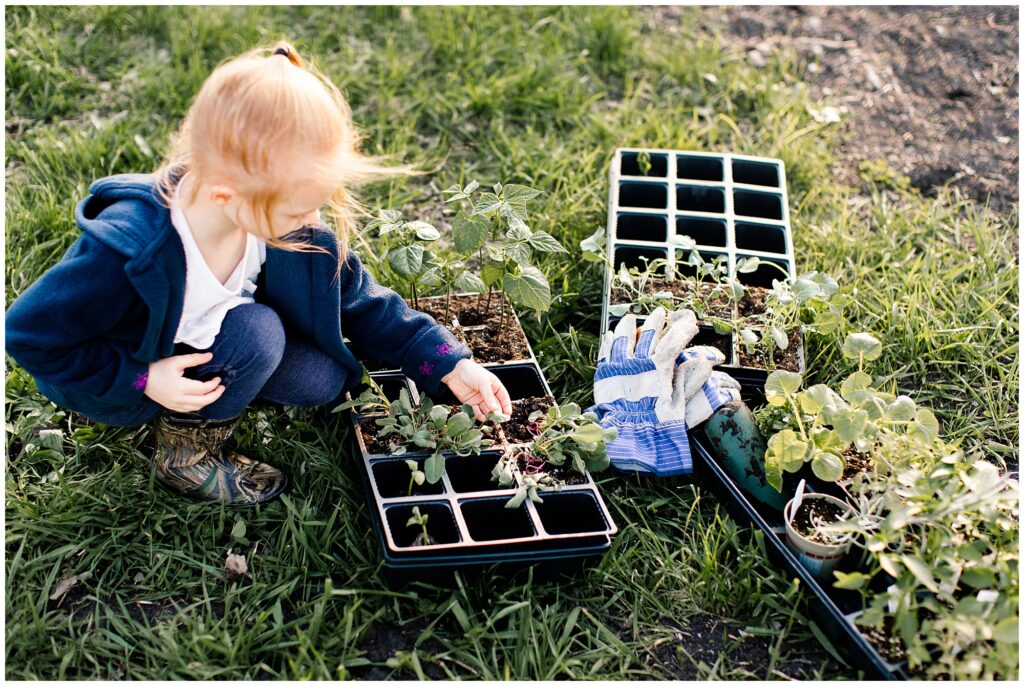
190	459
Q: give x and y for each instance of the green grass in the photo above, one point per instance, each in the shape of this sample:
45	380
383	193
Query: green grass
540	96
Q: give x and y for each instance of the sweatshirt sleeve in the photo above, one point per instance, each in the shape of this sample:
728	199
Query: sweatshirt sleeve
378	319
57	329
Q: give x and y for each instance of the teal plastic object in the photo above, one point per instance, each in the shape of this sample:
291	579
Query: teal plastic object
740	448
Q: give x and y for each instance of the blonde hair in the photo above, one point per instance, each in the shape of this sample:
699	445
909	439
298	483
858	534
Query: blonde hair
265	120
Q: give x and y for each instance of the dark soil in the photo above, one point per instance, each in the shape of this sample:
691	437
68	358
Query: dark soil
784	359
485	343
886	641
516	430
932	91
856	462
369	429
821	509
753	301
702	642
384	639
470	310
719	306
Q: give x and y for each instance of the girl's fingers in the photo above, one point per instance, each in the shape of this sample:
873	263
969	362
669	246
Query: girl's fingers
193	360
502	394
193	387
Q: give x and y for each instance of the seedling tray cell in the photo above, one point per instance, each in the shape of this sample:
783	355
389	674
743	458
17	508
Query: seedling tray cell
731	205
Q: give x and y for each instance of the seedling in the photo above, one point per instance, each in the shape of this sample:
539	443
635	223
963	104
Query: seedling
819	426
420	520
429	426
370	400
563	436
495	229
406	254
416	478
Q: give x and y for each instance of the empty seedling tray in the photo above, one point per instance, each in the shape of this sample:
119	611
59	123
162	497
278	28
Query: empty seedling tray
733	206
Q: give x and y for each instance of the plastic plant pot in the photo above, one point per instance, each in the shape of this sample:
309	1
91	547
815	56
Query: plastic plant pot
391	479
487	519
638	194
700	199
631	226
570	513
630	165
818	558
760	237
703	231
441	526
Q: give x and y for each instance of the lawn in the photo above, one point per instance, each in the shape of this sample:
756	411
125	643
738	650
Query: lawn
539	96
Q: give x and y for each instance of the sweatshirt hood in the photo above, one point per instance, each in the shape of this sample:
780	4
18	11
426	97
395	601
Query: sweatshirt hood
125	213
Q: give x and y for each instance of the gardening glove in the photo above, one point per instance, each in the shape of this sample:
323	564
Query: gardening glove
637	391
705	389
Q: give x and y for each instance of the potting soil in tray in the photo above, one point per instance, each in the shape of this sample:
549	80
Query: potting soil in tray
718	306
788	359
856	462
470	310
753	301
517	428
820	510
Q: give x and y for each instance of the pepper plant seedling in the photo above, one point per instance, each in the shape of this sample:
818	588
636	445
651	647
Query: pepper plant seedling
370	400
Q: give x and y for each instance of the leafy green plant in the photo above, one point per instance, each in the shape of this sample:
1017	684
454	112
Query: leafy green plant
430	427
450	271
564	435
643	161
819	425
943	525
406	253
495	228
808	301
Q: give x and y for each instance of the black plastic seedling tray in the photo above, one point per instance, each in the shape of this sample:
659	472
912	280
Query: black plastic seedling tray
732	205
467	515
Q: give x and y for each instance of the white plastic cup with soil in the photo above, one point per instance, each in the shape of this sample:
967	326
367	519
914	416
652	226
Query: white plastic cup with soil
819	556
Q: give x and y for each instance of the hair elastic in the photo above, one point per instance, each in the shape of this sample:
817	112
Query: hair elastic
282	51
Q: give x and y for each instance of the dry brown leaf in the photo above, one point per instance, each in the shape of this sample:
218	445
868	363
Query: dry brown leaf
65	585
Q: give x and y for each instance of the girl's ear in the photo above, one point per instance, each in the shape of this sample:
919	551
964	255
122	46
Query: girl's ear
221	194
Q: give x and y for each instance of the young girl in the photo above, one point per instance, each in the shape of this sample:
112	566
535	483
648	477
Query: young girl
193	290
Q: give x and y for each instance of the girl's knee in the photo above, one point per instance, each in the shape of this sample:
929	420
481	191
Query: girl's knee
260	328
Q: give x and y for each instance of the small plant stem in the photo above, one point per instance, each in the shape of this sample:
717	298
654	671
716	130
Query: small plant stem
448	302
415	299
501	320
796	416
426	538
412	480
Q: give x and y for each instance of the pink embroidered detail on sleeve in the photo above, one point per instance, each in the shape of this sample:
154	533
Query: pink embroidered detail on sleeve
140	381
426	368
444	348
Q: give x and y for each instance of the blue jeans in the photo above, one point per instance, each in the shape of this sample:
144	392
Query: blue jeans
255	358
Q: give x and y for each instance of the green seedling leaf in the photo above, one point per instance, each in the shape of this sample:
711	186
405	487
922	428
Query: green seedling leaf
849	424
780	385
862	346
804	289
458	424
424	231
618	310
407	260
925	426
817	398
594	243
827	466
433	468
469	233
789	449
588	433
545	242
487	203
851	581
773	470
858	381
470	282
1007	630
424	439
684	242
780	338
920	571
529	289
902	409
747	265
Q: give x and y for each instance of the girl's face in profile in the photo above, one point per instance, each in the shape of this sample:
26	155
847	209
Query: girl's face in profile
299	206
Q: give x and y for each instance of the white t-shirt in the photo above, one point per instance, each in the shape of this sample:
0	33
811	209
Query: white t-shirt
207	300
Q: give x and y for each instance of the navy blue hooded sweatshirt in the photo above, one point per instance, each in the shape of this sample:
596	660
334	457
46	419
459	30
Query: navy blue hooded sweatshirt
89	327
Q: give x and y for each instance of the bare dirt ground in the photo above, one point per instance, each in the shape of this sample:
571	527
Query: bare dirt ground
933	91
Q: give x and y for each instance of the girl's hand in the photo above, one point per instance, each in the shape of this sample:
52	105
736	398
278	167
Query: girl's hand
167	385
475	386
